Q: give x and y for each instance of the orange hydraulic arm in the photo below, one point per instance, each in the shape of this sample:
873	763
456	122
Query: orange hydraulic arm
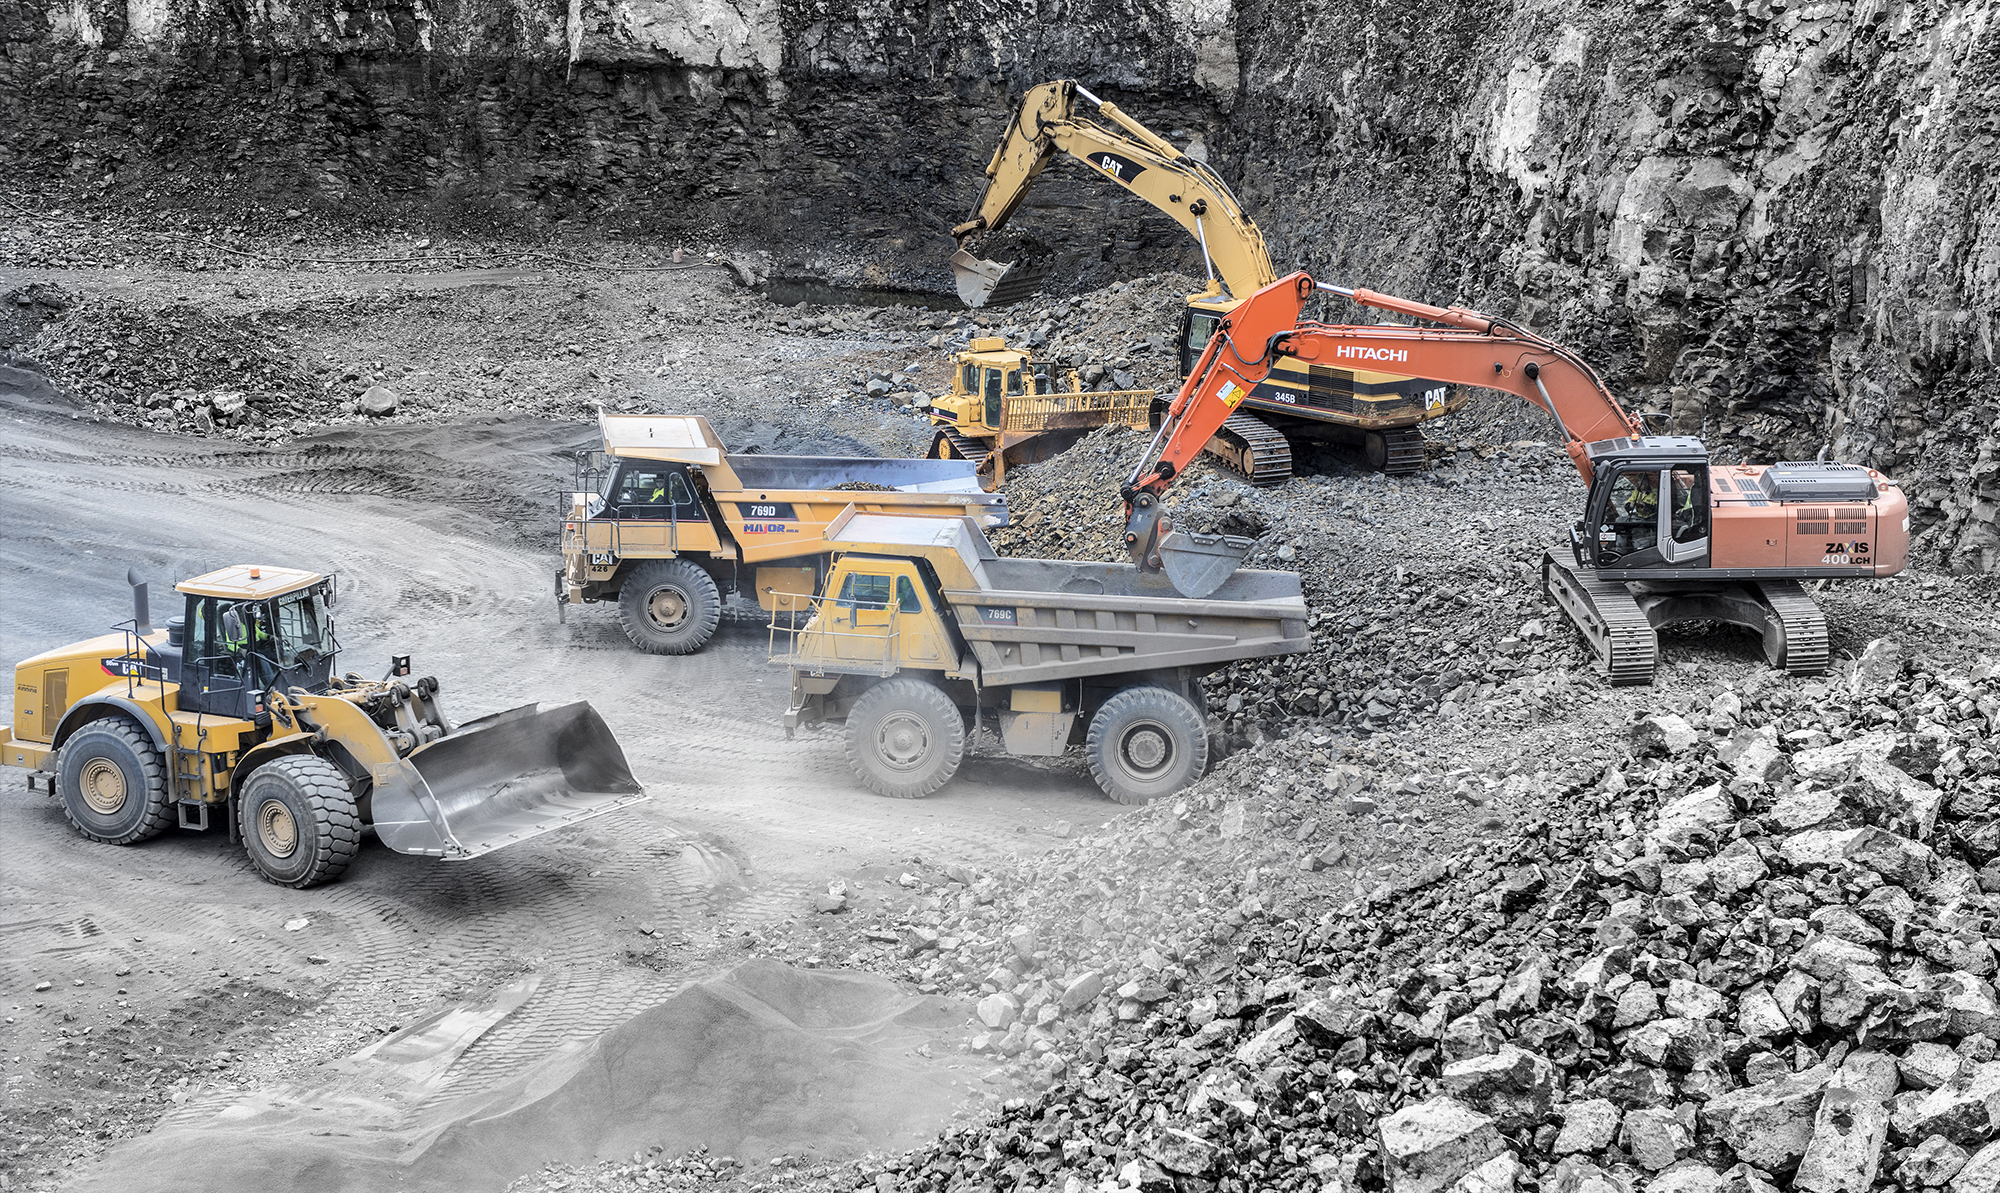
1471	349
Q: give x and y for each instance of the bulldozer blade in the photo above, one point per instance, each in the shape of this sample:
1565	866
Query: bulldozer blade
995	283
501	780
1198	564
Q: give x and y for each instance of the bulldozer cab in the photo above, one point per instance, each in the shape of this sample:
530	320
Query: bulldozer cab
244	635
987	376
1648	507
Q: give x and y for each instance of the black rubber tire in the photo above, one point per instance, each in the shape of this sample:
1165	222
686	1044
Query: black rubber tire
310	797
905	738
1144	743
113	783
669	606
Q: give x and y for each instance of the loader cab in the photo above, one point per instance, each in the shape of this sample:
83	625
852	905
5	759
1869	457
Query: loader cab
248	630
1648	507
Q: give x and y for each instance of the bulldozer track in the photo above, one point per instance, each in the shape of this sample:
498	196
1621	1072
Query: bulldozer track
1806	649
1406	452
1255	449
1626	646
967	449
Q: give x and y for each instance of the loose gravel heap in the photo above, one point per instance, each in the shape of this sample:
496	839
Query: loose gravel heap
1749	952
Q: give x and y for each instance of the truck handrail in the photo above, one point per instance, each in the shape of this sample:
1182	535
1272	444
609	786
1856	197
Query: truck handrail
884	654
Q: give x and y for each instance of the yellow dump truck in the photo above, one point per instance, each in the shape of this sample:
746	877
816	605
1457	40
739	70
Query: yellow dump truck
922	632
1004	410
233	715
664	520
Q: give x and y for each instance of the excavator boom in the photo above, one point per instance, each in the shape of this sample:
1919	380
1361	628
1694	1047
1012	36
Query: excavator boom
1051	120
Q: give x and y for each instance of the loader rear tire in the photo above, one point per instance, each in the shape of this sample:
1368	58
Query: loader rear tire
669	606
1144	743
113	783
300	824
905	738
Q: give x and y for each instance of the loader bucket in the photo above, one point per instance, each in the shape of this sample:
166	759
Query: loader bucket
995	283
1198	564
500	780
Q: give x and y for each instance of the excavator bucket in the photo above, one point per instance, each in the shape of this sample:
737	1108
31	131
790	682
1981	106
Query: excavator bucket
500	780
1198	564
995	283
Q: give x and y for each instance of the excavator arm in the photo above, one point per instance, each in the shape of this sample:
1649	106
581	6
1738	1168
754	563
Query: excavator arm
1468	349
1049	121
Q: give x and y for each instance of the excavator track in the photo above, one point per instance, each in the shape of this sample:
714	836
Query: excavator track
1805	626
1255	449
966	449
1405	451
1609	619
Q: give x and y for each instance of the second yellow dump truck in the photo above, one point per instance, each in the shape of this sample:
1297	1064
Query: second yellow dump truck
923	632
664	520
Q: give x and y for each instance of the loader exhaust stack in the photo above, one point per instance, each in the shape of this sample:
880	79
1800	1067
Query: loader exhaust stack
502	779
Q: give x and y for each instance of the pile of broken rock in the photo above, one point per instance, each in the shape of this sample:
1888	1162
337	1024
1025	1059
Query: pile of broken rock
1752	955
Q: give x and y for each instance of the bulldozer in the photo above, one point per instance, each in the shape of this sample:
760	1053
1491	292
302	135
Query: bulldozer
1003	410
232	716
1345	402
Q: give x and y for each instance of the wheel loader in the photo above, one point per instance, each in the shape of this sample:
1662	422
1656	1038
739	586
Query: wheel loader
232	716
1004	411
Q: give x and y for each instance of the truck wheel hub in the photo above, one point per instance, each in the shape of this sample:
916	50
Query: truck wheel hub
103	786
1147	748
277	832
668	608
903	741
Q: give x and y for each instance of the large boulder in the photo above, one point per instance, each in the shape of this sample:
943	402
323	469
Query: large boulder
1431	1146
1850	1127
1514	1086
1769	1125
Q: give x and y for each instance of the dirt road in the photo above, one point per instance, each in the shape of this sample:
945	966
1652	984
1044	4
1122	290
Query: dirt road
175	978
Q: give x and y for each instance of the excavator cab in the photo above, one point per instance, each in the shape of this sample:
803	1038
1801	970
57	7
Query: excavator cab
1648	507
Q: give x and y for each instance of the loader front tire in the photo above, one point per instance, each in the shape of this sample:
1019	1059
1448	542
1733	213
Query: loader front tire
1144	743
300	824
669	606
905	738
113	783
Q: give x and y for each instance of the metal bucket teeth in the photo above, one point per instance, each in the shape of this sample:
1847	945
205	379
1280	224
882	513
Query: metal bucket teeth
1198	564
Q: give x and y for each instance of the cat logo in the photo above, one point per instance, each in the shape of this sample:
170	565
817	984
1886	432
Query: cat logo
1122	169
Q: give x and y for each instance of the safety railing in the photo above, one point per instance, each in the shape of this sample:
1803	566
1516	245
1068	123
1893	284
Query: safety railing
815	642
1053	412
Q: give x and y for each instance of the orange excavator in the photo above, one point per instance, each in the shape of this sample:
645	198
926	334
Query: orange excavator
1667	535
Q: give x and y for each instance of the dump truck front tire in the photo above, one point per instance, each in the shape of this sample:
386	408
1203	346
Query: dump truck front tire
300	824
905	738
1146	742
669	606
113	783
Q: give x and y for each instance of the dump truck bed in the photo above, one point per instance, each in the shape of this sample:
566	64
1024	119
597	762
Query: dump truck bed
1036	620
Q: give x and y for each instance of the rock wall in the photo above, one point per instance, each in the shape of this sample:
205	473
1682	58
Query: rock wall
1777	222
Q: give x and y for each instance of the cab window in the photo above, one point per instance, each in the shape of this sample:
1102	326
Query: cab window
1632	515
906	595
1688	493
970	382
1014	382
860	591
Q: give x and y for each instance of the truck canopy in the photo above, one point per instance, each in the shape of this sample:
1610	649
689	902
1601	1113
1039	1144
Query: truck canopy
688	439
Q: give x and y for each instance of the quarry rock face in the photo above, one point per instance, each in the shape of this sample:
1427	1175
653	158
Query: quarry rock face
1776	223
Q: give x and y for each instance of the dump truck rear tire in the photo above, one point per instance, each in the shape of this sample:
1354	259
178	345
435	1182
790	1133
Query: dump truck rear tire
300	824
113	783
1146	742
669	606
905	738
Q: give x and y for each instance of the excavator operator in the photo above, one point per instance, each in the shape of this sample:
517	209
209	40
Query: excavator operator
1635	512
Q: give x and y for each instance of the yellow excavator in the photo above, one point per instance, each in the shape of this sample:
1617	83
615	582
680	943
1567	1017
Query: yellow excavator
1379	412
